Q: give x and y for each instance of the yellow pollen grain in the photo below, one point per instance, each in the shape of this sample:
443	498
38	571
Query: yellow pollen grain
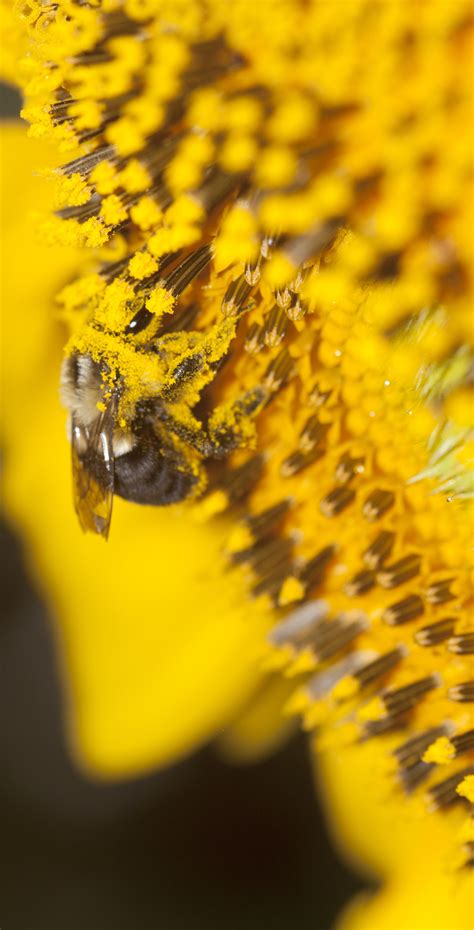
104	177
213	504
440	752
113	211
146	213
241	538
238	153
279	270
134	177
304	662
72	191
346	688
160	301
373	710
142	265
466	788
298	702
276	167
291	590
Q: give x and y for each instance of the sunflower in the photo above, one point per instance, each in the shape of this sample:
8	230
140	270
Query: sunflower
272	306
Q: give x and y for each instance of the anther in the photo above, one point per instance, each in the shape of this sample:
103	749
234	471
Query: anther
317	397
267	556
399	700
412	749
260	524
379	550
377	503
189	269
387	724
360	583
240	481
394	575
463	692
298	626
380	667
412	776
275	327
284	298
254	340
403	611
253	272
462	644
313	432
279	370
298	461
439	592
313	571
435	633
236	296
272	582
347	467
463	742
334	635
297	310
336	501
444	793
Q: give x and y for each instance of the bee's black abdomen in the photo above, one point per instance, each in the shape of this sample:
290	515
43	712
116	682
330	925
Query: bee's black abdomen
152	473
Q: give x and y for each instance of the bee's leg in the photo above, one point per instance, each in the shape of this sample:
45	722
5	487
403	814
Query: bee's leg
232	426
182	374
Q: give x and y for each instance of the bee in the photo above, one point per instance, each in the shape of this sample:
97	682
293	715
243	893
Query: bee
153	456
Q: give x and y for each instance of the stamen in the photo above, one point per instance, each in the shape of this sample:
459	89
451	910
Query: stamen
380	666
275	327
436	632
403	611
399	700
255	339
188	270
444	793
236	296
379	550
336	501
334	635
238	482
278	371
377	504
361	582
313	571
260	524
394	575
298	461
462	644
412	749
347	467
439	592
268	554
464	692
299	624
463	742
313	433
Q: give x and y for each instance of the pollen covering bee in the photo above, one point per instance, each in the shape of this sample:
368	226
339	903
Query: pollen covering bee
133	426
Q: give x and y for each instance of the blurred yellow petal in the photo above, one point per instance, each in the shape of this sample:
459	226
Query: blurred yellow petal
397	839
158	645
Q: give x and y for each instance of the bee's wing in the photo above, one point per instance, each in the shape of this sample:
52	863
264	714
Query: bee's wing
93	472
